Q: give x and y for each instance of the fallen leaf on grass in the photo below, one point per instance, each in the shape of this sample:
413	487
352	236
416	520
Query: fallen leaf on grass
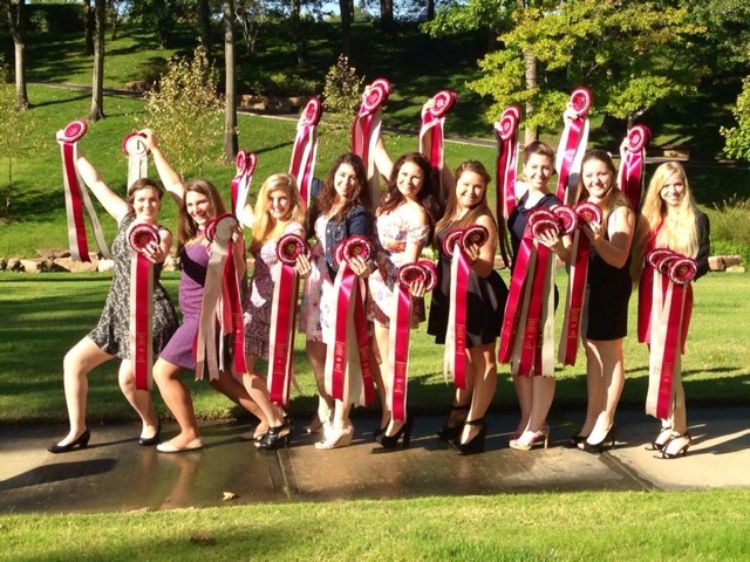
228	496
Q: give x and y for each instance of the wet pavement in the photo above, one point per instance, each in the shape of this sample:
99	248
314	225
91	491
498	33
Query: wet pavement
115	474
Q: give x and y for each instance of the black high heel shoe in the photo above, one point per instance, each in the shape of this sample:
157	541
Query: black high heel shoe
276	437
148	441
82	441
380	431
452	432
681	451
476	445
659	443
600	447
390	441
575	440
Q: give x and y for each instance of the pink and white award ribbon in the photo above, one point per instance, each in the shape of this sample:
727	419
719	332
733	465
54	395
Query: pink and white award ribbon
349	370
400	328
454	245
283	313
631	166
432	134
572	146
366	130
221	309
239	188
141	235
135	149
589	214
76	196
506	131
302	165
669	329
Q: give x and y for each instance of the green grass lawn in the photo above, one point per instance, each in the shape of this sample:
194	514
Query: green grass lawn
45	314
684	526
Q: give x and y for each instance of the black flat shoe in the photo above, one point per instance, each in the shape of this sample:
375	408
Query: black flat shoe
476	445
150	441
607	443
82	441
450	433
276	437
390	441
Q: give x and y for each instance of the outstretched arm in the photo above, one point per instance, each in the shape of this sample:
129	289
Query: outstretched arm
112	203
169	177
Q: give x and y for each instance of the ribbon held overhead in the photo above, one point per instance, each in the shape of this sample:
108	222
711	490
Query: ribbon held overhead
506	132
572	145
135	149
76	196
631	166
304	152
239	188
432	133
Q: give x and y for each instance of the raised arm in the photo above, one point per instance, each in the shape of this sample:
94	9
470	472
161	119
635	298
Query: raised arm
616	250
169	177
112	203
382	159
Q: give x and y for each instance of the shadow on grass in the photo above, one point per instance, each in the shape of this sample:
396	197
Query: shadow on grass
57	472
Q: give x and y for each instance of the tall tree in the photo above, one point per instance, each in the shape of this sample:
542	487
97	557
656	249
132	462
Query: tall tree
386	14
345	7
204	20
230	85
88	24
430	10
96	112
14	10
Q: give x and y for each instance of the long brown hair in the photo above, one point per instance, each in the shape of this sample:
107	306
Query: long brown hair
143	183
479	210
615	198
360	195
187	228
426	196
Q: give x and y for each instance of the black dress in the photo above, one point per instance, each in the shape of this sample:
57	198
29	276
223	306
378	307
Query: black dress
608	290
485	303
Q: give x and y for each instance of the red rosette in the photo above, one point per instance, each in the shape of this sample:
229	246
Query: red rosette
443	102
430	270
221	227
338	253
475	234
290	247
683	270
356	246
312	112
638	137
127	139
240	163
412	273
664	262
251	163
654	256
508	123
377	95
539	215
589	213
544	225
140	234
566	218
581	100
453	236
74	131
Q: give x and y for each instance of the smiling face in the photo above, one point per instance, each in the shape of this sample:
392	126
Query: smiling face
597	179
146	204
409	180
538	171
279	204
344	181
470	188
199	208
673	190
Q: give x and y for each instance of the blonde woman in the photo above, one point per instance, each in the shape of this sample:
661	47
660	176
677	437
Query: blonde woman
669	219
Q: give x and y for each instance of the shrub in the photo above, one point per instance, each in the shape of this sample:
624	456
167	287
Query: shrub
730	228
151	70
738	138
343	91
283	84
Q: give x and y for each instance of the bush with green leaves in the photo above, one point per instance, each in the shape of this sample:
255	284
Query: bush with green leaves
284	84
343	91
185	112
730	228
738	138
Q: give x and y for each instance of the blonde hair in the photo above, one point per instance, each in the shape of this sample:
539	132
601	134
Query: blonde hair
673	227
266	227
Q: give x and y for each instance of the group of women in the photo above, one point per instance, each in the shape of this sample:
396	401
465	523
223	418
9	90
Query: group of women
410	218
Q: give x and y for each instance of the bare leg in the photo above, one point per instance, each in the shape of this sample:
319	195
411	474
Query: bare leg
233	389
523	392
384	375
177	398
542	393
594	385
82	358
316	353
139	399
484	371
258	392
613	373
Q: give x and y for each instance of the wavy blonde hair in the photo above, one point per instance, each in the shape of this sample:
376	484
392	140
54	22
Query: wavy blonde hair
678	230
266	227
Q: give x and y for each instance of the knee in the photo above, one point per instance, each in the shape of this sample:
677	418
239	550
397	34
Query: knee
126	381
72	363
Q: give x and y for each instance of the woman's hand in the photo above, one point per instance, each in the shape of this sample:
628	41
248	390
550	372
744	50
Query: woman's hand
570	115
593	233
149	138
155	253
360	267
417	289
303	266
472	252
551	239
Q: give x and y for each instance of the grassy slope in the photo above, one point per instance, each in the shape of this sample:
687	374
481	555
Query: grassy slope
685	526
48	313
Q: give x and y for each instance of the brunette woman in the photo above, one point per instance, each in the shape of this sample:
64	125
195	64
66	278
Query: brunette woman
110	338
670	219
486	294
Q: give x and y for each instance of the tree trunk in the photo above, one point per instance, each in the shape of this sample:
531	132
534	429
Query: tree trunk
15	14
430	10
531	134
346	26
114	19
296	8
88	23
386	14
230	89
97	81
204	15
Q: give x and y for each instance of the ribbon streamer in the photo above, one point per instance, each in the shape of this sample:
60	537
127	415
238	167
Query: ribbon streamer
506	131
239	188
135	149
631	167
432	134
572	145
76	197
302	165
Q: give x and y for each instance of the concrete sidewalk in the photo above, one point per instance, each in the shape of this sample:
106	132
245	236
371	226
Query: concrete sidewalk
114	474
